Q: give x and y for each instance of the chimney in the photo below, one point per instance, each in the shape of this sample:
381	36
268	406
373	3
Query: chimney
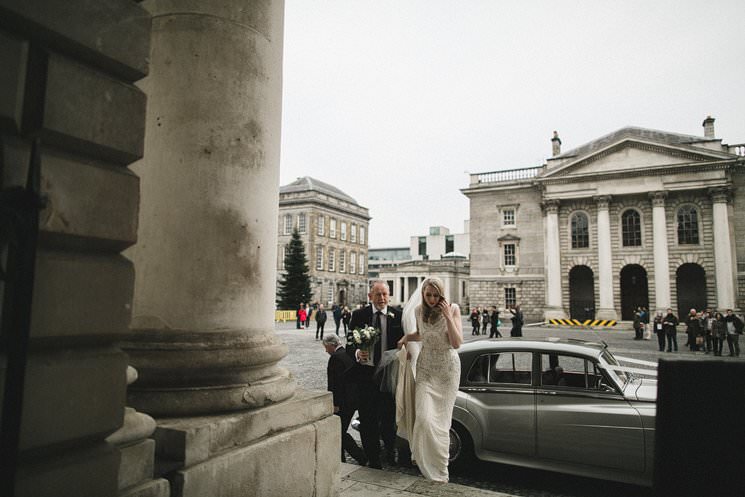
708	127
556	143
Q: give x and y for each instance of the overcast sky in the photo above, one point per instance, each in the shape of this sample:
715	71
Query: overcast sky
394	101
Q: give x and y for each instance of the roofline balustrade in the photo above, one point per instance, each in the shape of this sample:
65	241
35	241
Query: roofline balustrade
506	175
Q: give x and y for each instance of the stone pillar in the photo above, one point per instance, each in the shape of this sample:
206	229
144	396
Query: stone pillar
554	307
723	260
406	289
202	335
606	309
202	319
661	257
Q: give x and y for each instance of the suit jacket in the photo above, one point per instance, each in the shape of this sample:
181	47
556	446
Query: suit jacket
339	364
394	332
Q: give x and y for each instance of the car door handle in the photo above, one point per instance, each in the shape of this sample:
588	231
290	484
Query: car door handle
475	389
546	392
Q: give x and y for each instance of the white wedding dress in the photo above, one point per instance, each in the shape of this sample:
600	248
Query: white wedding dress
437	378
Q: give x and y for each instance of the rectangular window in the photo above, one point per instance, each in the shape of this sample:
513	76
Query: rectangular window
352	262
422	245
342	260
330	293
301	223
362	263
362	235
321	225
319	257
510	297
449	244
508	217
332	228
332	253
353	234
509	254
343	231
288	224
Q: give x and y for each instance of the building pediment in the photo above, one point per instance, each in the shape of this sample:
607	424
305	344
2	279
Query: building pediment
508	238
631	155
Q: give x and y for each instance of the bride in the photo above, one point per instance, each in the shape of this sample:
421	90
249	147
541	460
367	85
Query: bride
429	318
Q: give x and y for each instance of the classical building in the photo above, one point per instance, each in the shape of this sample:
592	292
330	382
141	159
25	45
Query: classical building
385	258
638	217
439	254
333	227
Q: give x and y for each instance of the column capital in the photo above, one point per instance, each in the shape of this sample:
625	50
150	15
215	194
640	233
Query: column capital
603	201
721	194
658	198
551	206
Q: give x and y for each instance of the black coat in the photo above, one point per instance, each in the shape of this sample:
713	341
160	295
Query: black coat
339	364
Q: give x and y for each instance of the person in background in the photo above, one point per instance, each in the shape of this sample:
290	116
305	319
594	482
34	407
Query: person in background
494	333
718	333
734	330
309	309
517	321
707	321
659	330
637	324
320	321
336	312
484	320
474	317
669	323
345	317
301	317
694	331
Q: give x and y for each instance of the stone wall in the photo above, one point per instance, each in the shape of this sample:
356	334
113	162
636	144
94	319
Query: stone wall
68	73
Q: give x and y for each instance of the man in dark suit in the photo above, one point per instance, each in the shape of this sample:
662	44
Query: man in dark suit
344	394
377	409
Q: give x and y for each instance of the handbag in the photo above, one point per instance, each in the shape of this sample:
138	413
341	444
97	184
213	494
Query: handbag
699	340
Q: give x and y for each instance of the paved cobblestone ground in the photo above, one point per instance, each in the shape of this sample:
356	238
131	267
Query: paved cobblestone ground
307	361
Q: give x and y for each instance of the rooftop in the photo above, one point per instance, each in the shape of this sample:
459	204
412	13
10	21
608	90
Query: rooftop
306	183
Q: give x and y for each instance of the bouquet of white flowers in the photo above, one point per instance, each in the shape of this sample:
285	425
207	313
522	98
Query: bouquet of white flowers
365	340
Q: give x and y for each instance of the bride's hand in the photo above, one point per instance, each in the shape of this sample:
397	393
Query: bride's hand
401	342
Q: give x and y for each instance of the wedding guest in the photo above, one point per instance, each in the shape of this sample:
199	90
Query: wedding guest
320	321
344	395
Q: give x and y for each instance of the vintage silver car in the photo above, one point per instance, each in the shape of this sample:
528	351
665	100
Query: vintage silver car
554	404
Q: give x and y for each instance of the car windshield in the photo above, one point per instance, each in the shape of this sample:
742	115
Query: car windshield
620	377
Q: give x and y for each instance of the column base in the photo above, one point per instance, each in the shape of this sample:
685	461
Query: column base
186	373
253	453
554	313
606	313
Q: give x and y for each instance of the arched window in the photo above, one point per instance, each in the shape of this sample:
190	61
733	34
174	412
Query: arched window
580	231
631	229
688	225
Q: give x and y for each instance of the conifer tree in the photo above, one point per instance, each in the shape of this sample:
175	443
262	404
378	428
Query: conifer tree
294	286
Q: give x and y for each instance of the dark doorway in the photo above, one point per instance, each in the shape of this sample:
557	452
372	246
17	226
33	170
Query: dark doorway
690	282
634	290
342	299
581	293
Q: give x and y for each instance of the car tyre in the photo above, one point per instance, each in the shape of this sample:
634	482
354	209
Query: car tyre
461	448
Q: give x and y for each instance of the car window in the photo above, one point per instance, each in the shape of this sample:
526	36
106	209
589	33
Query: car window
479	370
567	371
511	367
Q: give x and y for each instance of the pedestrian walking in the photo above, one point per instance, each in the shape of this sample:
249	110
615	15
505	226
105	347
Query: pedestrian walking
494	318
474	317
346	315
302	315
336	311
517	321
484	320
734	330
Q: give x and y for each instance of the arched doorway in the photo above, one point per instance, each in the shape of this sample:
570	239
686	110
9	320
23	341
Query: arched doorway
581	293
690	282
634	290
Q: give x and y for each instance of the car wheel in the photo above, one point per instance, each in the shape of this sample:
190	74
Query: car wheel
461	447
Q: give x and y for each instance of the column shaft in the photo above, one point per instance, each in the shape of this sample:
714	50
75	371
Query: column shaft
723	252
554	306
606	309
661	257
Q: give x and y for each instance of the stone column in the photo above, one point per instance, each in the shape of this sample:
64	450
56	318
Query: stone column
554	307
202	318
723	261
406	288
606	309
661	258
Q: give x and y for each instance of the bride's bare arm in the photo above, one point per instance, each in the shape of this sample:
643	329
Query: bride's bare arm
410	337
454	325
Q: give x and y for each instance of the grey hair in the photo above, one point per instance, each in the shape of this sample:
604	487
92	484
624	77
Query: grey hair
331	340
378	282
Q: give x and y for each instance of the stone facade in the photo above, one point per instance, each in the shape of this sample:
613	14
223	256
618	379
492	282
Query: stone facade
334	230
403	278
645	183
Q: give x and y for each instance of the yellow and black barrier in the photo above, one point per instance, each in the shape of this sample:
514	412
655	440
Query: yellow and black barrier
285	316
586	322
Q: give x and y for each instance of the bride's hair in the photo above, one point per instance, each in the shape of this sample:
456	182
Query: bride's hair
431	314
